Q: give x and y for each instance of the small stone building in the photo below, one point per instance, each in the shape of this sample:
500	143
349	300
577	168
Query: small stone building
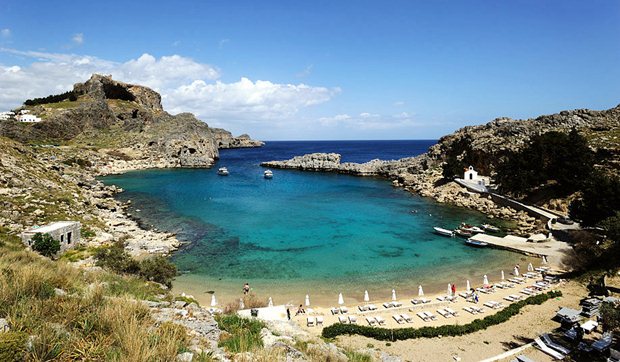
67	232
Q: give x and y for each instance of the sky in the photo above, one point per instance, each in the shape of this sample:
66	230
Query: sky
324	69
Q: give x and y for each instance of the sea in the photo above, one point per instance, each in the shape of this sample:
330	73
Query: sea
307	233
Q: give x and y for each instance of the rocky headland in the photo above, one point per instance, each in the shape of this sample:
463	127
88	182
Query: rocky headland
424	175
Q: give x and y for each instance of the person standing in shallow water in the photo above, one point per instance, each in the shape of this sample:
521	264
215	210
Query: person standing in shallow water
453	290
246	288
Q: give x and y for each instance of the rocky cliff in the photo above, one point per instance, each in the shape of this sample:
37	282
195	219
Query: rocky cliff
127	123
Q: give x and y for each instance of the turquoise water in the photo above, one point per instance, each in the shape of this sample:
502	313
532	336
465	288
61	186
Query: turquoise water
303	231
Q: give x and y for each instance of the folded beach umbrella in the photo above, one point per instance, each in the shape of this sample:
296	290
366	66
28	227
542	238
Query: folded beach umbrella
530	267
241	304
449	289
420	291
516	272
468	286
544	259
366	296
307	300
502	275
270	304
340	299
393	295
486	280
213	300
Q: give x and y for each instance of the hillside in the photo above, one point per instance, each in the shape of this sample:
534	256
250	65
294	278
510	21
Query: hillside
105	115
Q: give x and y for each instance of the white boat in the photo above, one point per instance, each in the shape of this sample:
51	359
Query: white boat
476	243
444	232
222	171
489	227
268	174
471	228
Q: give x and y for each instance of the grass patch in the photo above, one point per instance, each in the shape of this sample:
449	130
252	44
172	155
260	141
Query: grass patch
384	334
242	334
354	356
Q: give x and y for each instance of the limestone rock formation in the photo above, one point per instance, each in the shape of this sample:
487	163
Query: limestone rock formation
128	124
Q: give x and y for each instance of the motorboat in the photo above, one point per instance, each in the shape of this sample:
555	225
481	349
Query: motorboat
471	228
463	233
476	243
268	174
490	228
222	171
443	232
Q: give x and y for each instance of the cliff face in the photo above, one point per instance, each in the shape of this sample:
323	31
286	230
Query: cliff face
127	123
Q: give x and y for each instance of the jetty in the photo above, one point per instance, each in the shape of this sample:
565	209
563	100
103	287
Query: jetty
551	248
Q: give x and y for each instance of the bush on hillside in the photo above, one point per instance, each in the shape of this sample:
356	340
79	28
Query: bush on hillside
158	269
56	98
600	199
45	245
610	315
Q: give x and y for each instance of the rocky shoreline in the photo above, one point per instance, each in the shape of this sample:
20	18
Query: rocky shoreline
414	175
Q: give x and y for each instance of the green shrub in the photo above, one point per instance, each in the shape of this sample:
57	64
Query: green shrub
243	334
13	346
44	244
117	259
158	269
384	334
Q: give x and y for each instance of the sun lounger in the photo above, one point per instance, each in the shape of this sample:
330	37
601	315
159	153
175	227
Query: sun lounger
407	317
516	296
343	319
510	298
344	310
335	311
507	284
478	309
551	352
372	307
319	321
552	344
589	326
444	313
387	305
527	291
310	322
431	316
371	321
441	299
603	344
398	318
380	320
425	300
352	319
493	304
362	308
397	304
451	311
483	290
423	316
465	295
531	275
415	301
470	310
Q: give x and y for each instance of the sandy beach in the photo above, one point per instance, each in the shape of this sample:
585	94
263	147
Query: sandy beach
519	330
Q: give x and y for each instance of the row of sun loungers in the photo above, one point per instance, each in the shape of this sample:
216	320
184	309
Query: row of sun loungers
420	301
350	319
447	298
341	310
427	316
367	307
402	318
375	320
312	321
392	304
493	304
447	312
513	298
474	310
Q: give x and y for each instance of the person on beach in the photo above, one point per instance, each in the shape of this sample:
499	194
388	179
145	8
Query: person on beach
300	310
453	290
288	314
476	297
246	288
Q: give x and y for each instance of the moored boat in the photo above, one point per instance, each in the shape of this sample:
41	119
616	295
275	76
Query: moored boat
444	232
463	233
268	174
470	228
476	243
490	228
222	171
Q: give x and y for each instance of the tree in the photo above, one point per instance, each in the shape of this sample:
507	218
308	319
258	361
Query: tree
600	200
158	269
117	259
610	315
44	244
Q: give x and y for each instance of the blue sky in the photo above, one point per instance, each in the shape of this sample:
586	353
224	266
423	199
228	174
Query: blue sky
324	69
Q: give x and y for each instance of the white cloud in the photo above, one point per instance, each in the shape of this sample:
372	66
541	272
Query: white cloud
366	121
5	33
78	39
185	86
306	71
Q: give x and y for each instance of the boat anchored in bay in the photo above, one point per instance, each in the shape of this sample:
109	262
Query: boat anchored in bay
443	232
222	171
268	174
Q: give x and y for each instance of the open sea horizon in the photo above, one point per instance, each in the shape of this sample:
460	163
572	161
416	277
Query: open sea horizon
311	233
